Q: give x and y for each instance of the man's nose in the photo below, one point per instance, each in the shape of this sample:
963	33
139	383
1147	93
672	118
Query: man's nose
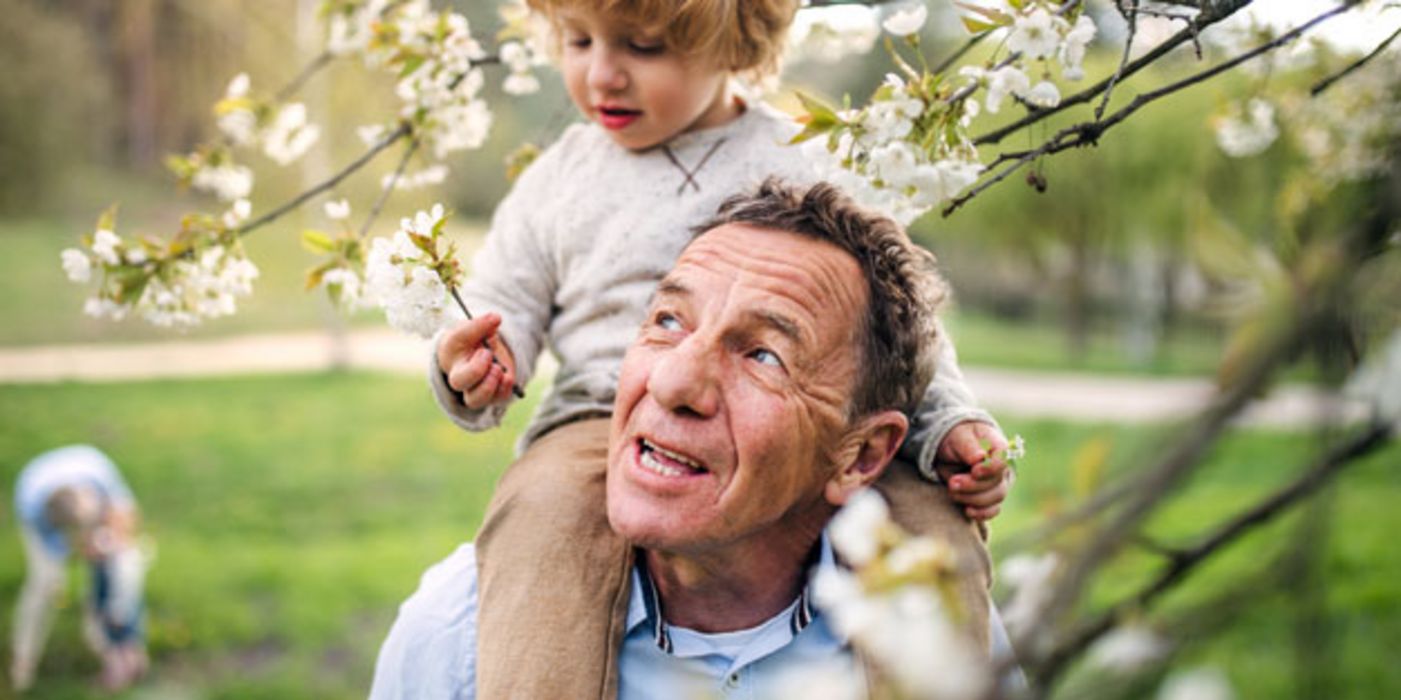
606	72
686	379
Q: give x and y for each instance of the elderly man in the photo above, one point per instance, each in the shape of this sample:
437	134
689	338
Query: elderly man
770	382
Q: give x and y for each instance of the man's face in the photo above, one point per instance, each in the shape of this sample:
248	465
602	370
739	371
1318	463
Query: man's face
732	401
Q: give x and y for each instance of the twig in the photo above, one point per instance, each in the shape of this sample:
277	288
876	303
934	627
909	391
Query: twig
1203	20
1328	82
388	188
967	46
296	83
1132	16
515	388
1088	133
403	131
1184	561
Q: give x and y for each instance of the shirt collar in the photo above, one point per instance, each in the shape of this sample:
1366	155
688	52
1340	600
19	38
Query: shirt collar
644	607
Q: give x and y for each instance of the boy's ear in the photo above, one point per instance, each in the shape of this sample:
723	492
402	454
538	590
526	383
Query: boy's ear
869	448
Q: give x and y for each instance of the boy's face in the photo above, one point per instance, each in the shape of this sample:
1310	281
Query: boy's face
640	91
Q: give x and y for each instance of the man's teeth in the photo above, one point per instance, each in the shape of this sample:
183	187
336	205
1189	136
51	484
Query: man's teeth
650	461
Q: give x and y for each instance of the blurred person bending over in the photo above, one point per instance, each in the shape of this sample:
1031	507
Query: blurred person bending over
72	499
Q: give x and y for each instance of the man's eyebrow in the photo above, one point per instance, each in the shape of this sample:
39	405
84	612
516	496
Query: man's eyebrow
783	324
671	287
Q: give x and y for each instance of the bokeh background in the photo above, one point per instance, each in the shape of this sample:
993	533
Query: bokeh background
293	510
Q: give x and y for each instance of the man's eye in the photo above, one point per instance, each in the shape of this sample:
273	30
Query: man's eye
667	321
765	356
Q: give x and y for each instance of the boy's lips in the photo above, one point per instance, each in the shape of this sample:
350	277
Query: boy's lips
614	118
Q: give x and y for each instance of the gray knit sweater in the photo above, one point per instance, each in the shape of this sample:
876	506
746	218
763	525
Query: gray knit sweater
577	247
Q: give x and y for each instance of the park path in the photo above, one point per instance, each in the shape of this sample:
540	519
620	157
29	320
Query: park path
1070	396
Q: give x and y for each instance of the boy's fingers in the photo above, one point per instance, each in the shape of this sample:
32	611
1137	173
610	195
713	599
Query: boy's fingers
983	513
466	337
485	391
983	498
469	371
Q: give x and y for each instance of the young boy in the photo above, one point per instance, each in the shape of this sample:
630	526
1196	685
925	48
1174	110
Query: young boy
72	499
571	260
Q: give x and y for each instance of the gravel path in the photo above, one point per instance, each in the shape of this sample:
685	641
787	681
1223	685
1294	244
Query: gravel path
1087	397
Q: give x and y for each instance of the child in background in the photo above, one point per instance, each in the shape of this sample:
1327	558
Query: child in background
571	259
72	499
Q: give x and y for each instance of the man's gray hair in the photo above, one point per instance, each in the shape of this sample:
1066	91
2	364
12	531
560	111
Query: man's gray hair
899	337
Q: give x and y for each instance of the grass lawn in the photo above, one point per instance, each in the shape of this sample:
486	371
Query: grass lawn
292	514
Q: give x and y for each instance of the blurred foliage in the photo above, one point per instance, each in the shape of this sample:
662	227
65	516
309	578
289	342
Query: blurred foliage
54	101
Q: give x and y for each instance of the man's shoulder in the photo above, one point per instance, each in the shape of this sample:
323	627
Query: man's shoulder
431	649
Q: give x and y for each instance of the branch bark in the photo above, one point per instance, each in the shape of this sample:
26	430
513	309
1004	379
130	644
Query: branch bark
1328	82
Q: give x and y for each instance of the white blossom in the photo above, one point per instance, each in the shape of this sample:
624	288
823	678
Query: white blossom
399	279
104	246
431	175
239	125
906	19
1072	51
227	182
855	530
290	136
348	287
1242	136
1044	94
939	182
1127	649
520	84
337	210
1203	683
101	307
1030	579
238	87
1036	35
238	213
894	162
371	134
136	255
1007	80
76	265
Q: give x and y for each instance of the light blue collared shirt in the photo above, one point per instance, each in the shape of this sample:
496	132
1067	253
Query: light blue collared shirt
431	651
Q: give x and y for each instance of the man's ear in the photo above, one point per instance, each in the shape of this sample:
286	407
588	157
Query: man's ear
869	448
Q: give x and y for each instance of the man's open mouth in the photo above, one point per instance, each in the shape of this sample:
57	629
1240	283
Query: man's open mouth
662	461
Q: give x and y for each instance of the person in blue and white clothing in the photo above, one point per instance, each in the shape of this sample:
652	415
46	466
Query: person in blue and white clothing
72	500
771	381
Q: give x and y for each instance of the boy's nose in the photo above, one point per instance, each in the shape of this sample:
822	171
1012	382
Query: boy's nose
606	74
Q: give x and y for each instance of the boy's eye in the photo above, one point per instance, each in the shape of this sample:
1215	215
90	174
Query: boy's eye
765	356
579	42
647	48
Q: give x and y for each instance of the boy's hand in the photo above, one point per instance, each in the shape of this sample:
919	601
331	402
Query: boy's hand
469	367
978	478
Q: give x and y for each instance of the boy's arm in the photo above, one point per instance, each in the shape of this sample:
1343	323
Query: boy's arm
512	275
947	402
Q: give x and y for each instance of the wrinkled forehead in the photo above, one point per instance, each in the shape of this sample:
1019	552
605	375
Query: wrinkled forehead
811	278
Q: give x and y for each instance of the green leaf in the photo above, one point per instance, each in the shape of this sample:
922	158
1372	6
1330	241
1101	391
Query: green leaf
976	26
424	243
996	17
817	109
810	130
314	275
412	62
108	219
317	242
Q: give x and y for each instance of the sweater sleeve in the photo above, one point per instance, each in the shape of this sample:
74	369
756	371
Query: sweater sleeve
514	275
947	402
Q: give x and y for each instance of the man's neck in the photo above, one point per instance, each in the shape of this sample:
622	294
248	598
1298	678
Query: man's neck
738	587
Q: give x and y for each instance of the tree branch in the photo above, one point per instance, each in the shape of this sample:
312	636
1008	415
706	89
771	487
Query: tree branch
1328	82
1088	133
389	140
1222	10
1131	15
1184	561
388	188
952	58
310	70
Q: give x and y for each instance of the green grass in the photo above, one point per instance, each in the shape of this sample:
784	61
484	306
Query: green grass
294	513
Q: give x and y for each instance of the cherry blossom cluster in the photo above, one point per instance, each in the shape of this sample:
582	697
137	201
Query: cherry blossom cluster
199	274
908	149
410	274
897	604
